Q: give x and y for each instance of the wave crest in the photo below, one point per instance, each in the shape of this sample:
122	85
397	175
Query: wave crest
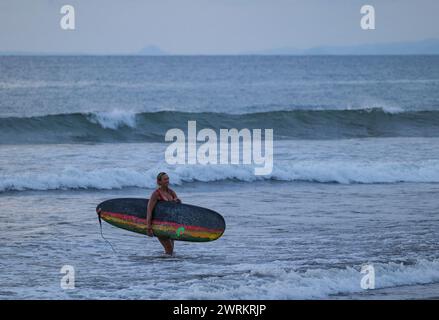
342	172
114	119
126	126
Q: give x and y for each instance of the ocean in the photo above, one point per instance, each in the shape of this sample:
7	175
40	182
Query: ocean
355	177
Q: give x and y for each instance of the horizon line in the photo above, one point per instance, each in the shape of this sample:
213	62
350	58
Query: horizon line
54	54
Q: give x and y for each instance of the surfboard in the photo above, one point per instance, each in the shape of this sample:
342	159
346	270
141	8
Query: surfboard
177	221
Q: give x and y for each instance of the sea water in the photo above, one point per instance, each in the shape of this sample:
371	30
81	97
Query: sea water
355	177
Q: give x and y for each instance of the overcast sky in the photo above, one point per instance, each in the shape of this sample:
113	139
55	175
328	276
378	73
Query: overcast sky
209	26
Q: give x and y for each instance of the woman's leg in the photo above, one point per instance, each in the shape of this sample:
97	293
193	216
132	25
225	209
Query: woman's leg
168	244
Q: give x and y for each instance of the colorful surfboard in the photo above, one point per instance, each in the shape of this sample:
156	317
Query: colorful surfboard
177	221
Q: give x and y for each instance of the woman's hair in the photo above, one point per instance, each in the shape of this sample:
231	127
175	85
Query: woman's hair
160	175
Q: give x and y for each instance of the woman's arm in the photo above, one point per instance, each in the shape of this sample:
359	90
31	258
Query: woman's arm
151	204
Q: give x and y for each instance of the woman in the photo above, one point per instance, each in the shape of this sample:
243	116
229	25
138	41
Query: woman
162	193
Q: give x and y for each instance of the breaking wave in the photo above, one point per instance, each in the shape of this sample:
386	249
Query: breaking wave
126	126
343	172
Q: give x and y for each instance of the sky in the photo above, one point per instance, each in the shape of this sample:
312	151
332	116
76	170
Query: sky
209	26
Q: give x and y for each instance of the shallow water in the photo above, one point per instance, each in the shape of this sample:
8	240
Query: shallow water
311	244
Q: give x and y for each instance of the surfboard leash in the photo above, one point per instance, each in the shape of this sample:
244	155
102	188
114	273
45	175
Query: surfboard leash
98	211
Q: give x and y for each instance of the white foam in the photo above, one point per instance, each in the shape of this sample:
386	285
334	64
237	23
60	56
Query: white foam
36	84
343	172
367	107
266	281
393	109
113	119
346	172
73	178
376	106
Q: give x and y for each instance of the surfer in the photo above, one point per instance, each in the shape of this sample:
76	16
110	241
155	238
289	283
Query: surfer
162	193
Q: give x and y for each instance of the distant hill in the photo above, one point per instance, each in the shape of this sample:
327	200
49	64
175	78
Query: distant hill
26	53
149	50
428	46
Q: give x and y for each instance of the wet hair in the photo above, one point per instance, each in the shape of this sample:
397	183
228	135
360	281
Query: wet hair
160	175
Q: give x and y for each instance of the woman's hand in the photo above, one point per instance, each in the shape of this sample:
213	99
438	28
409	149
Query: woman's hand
177	200
149	231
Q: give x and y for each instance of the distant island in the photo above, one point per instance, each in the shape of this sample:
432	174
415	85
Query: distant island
151	50
428	46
